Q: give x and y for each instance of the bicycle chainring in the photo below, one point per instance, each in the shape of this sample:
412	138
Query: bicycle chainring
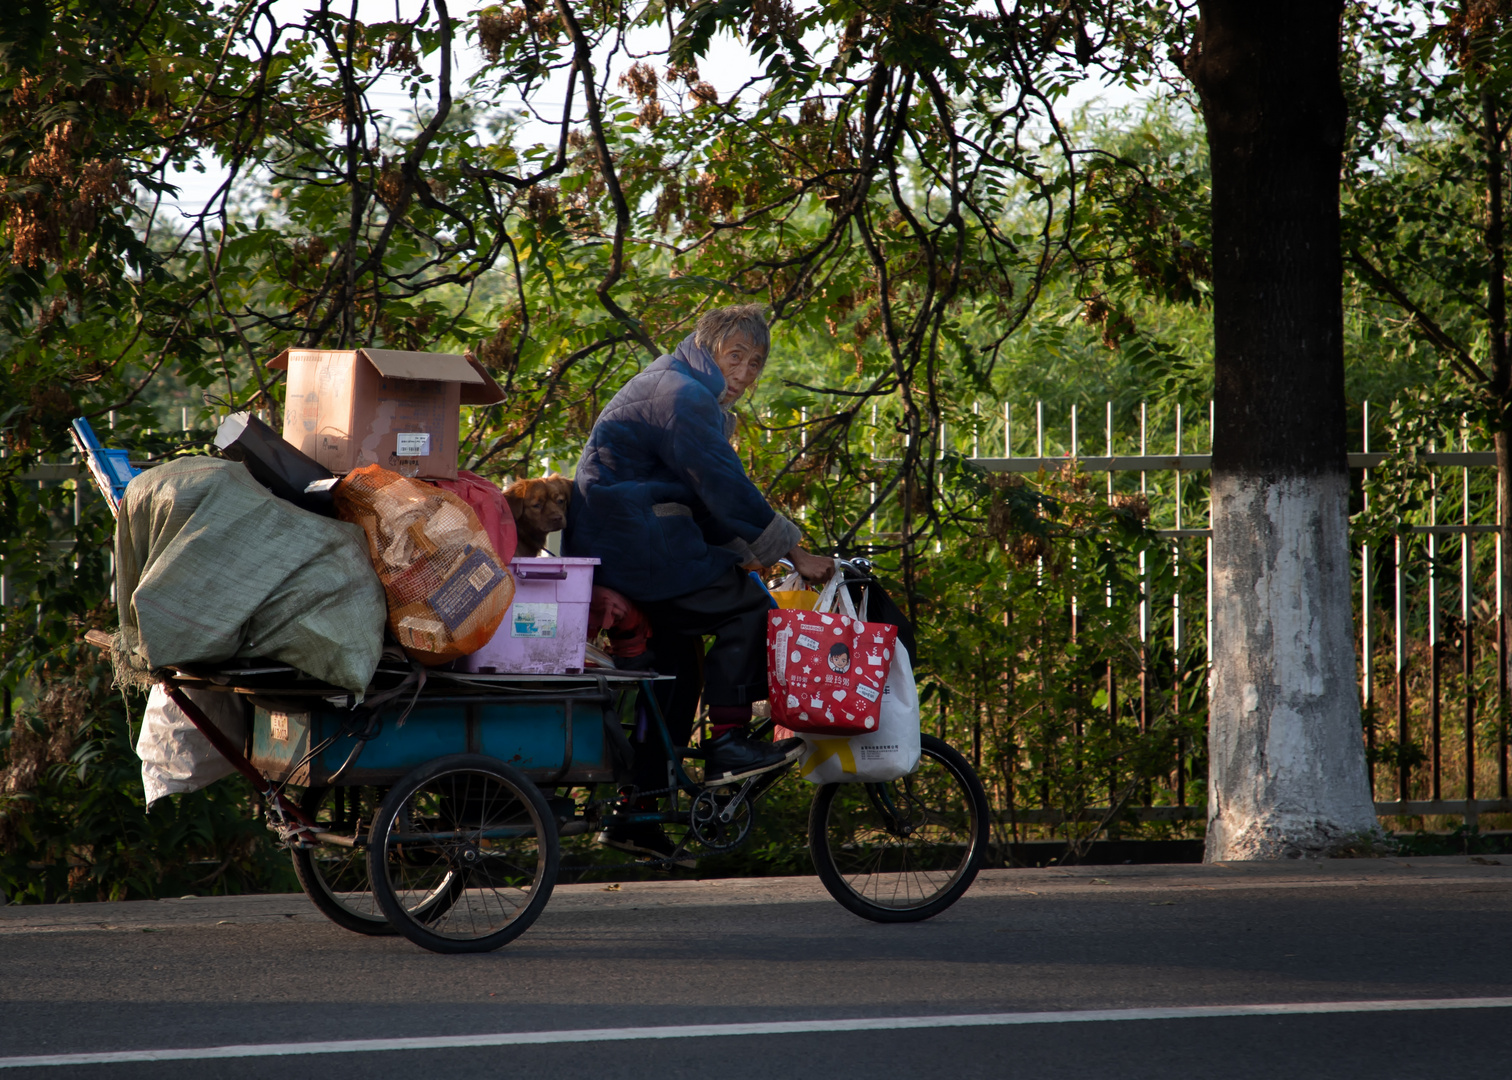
714	834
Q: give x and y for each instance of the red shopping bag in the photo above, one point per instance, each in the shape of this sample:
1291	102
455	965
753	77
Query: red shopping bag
826	671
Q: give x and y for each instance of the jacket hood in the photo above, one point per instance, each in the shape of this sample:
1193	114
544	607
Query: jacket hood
701	365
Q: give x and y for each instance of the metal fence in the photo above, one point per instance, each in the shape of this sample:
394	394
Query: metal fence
1433	691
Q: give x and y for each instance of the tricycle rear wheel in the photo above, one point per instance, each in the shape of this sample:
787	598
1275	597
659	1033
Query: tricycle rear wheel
335	877
463	854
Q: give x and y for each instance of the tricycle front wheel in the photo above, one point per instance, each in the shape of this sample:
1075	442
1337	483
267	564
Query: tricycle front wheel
905	850
463	854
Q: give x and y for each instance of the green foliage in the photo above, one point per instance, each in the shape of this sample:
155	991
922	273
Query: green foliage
895	185
1423	195
1461	840
1034	661
898	185
73	825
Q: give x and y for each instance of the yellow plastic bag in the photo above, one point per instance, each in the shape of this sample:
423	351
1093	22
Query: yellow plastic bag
794	594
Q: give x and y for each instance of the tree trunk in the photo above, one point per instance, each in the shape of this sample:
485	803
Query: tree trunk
1501	368
1287	776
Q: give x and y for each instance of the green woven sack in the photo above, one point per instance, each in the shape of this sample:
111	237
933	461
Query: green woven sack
210	565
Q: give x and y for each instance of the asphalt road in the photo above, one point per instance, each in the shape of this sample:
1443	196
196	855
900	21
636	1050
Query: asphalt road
271	972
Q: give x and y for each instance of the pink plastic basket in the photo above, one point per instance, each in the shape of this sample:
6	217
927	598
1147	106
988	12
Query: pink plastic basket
546	629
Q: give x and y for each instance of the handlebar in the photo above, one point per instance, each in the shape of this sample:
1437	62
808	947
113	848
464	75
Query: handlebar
857	569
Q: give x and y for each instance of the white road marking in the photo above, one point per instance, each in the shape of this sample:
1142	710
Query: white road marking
777	1027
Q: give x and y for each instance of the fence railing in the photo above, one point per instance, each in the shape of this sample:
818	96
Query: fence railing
1435	620
1433	689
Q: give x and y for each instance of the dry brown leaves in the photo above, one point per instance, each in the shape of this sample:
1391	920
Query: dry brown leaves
542	203
1472	24
58	197
390	187
640	80
497	28
498	351
711	196
773	17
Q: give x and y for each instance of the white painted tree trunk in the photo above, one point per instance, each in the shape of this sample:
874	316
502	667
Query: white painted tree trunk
1287	776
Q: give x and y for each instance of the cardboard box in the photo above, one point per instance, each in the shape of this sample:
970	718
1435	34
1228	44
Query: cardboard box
347	408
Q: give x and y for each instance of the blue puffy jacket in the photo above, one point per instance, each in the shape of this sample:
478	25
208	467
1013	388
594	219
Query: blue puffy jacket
660	497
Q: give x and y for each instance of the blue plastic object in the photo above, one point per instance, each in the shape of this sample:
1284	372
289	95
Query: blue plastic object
772	600
551	738
112	469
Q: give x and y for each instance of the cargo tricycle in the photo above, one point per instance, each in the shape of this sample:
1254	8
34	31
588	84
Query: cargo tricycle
435	809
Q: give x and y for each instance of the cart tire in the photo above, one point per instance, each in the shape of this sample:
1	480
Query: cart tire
463	855
902	851
335	878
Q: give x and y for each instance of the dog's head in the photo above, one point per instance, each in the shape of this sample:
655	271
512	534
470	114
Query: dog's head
539	506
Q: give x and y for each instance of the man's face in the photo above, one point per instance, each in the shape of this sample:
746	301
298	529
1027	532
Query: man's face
741	362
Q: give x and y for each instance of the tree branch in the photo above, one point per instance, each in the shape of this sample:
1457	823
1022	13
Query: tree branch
1458	358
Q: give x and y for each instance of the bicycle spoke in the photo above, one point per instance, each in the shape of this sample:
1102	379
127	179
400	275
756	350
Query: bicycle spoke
471	861
903	847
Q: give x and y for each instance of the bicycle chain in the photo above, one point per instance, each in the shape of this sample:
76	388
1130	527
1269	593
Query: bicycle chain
683	850
667	862
680	854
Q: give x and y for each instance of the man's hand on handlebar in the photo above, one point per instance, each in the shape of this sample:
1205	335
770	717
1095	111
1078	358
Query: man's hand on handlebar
813	568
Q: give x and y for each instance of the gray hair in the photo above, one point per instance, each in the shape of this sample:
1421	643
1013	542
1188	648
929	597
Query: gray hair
717	326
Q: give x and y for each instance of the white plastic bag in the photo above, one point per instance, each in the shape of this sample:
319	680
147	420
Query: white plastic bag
792	583
885	754
175	757
877	756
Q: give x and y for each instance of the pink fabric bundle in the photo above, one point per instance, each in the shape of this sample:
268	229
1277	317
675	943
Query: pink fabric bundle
487	501
627	627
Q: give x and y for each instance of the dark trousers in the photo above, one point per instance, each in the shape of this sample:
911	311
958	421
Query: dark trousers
732	671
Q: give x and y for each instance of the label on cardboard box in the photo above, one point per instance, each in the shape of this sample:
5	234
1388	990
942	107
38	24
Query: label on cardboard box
413	444
533	620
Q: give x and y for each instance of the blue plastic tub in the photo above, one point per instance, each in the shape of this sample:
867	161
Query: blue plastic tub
553	737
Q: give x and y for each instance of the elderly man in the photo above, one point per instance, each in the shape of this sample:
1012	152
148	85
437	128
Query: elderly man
662	500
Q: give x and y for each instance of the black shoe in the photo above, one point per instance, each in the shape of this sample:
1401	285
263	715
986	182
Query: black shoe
647	838
735	756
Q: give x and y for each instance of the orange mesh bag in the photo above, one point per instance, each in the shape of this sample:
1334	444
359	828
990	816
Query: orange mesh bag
447	591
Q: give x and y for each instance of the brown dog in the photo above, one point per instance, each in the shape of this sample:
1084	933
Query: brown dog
539	507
